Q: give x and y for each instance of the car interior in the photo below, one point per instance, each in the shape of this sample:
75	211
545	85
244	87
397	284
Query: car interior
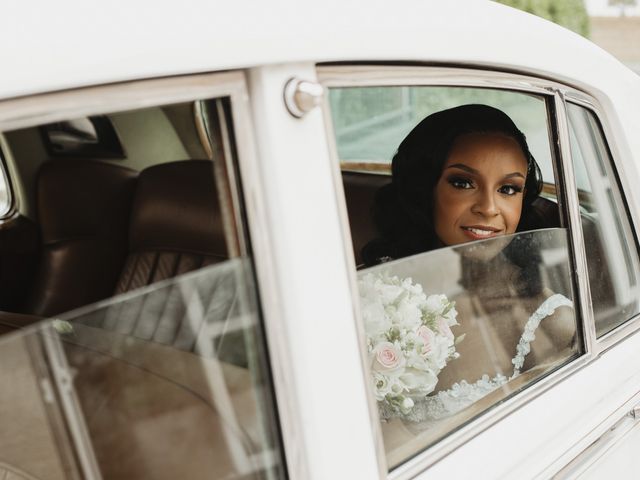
90	228
118	233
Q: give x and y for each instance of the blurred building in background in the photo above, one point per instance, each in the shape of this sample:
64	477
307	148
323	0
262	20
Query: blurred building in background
614	25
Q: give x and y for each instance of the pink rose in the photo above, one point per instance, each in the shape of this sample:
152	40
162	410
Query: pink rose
428	337
387	356
444	329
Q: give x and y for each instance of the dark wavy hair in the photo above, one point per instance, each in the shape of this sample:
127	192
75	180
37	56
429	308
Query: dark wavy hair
403	209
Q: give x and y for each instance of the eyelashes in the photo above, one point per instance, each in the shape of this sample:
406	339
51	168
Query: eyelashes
510	189
464	183
460	183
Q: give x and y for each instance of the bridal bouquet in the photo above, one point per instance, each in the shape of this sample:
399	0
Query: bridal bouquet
409	339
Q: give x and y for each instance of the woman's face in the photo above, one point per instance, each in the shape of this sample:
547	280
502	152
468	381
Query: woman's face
480	191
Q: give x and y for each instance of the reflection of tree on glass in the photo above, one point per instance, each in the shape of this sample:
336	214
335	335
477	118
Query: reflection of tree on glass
467	174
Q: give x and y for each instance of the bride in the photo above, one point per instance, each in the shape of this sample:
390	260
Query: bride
462	175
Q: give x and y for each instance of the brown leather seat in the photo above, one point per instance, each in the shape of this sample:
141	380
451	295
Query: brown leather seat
176	224
83	210
176	227
360	190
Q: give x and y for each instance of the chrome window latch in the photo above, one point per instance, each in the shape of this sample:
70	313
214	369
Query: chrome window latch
302	96
635	412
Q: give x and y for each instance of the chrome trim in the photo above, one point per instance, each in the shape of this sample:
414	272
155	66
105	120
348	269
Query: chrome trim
581	99
349	256
231	213
570	193
302	96
51	107
361	76
11	209
609	432
215	141
11	171
384	75
201	128
4	178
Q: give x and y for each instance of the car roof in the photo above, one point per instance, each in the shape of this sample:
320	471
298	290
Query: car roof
66	44
70	43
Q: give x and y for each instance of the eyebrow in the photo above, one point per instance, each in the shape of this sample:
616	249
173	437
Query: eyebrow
466	168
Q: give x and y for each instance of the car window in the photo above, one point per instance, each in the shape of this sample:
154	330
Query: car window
452	329
154	365
611	251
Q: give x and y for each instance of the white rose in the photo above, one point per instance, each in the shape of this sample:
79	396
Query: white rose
387	357
381	385
419	382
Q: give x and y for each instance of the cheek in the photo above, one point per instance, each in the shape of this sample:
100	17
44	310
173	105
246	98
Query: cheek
447	207
512	215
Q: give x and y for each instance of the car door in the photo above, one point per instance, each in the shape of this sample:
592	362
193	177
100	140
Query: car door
166	376
590	257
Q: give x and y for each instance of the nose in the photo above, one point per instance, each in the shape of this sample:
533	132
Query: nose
486	204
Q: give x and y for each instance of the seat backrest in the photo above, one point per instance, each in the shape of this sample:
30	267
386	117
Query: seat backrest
360	191
176	227
176	224
83	210
543	213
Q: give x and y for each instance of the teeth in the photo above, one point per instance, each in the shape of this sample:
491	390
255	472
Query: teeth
477	231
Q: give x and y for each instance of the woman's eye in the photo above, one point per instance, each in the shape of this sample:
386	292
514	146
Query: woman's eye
510	189
460	183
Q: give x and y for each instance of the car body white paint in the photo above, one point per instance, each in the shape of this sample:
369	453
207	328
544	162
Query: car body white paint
329	430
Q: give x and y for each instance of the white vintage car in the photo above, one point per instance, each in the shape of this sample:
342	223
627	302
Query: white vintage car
186	192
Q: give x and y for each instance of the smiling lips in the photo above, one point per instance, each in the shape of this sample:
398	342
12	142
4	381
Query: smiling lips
478	232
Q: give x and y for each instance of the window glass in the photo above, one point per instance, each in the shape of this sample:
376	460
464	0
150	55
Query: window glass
154	365
464	278
612	256
454	331
370	122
